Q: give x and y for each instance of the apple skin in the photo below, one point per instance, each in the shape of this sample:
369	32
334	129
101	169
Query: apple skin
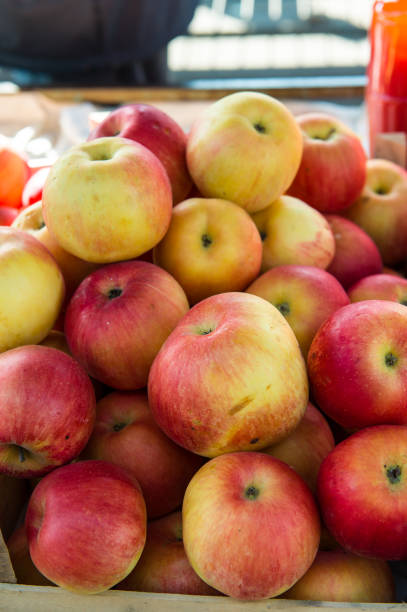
107	200
32	191
212	246
7	215
333	164
341	576
163	565
86	525
356	255
363	495
32	289
381	209
229	377
246	148
24	568
54	424
380	287
73	269
251	527
157	131
294	233
305	295
357	365
14	173
126	434
306	447
129	295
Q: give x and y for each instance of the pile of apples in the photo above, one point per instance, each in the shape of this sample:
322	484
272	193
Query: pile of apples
203	358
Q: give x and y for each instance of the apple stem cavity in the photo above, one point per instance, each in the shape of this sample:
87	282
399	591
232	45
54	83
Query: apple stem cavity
205	332
390	359
393	473
284	308
251	493
263	235
21	454
114	293
206	240
259	127
326	136
119	426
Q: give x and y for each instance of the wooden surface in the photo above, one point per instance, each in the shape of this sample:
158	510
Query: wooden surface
53	599
6	570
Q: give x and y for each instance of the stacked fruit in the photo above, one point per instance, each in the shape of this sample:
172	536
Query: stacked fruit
167	311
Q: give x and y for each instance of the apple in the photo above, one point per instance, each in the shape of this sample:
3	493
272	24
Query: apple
157	131
306	447
294	233
212	246
32	191
251	527
47	410
380	287
357	364
86	525
356	255
246	148
381	209
119	317
7	215
126	434
73	269
229	377
14	173
163	565
24	568
13	495
107	200
332	171
32	289
341	576
305	295
362	492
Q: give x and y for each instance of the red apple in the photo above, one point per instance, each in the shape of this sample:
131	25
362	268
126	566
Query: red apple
24	568
381	209
157	131
230	377
363	495
163	565
119	317
380	287
14	173
306	447
356	255
32	191
357	364
212	246
7	215
332	171
107	200
86	525
47	410
305	295
250	525
126	434
341	576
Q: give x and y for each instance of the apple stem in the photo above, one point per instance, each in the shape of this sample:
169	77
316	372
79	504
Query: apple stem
21	454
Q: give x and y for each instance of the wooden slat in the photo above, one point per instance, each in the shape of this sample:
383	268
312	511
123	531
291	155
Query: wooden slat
53	599
6	569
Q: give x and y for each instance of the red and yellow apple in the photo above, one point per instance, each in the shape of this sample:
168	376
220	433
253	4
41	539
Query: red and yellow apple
86	525
107	200
305	295
157	131
229	377
47	410
119	317
212	246
126	434
332	171
250	524
381	209
14	173
245	147
294	233
32	289
356	255
163	565
357	364
380	287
